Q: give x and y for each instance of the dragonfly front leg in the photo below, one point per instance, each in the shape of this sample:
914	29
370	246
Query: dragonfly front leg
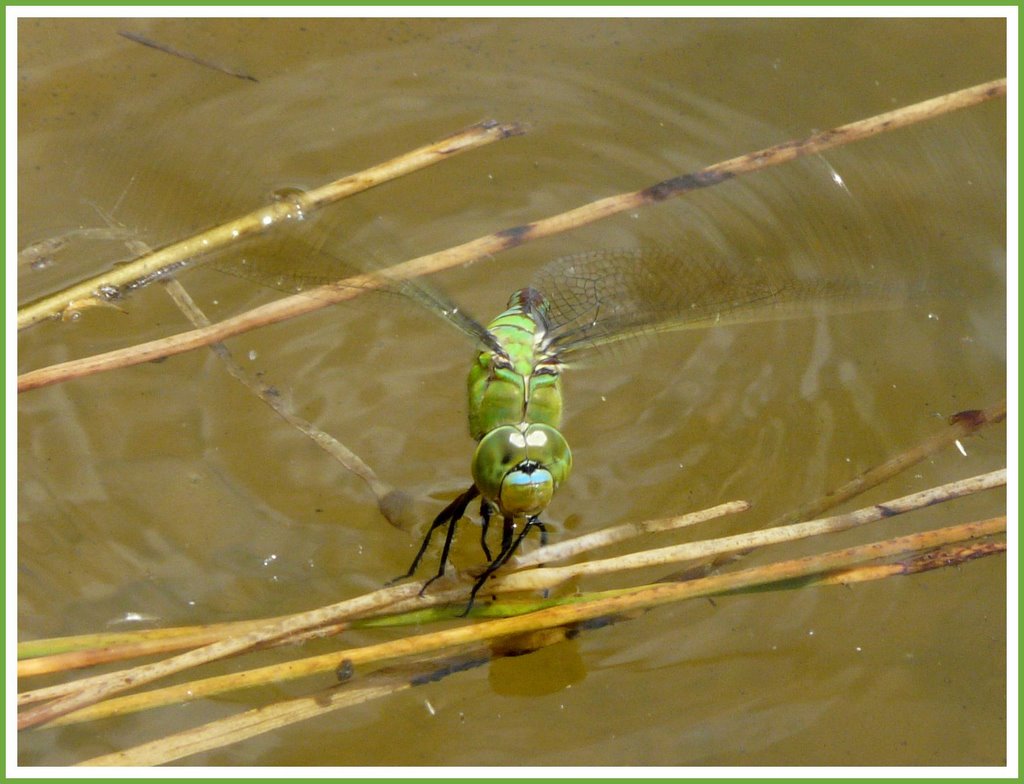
485	521
449	516
509	545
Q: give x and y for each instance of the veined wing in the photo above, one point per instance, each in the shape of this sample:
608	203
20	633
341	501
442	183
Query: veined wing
297	264
602	297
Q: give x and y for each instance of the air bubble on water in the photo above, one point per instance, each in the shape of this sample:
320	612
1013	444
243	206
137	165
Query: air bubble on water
42	263
129	617
293	195
252	355
270	559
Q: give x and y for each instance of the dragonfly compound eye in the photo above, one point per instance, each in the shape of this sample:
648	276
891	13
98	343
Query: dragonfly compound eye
518	468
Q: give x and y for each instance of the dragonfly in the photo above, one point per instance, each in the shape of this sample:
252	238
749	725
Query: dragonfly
579	304
576	306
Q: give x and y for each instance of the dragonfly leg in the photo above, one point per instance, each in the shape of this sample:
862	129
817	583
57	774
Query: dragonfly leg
543	531
485	521
508	528
508	547
449	516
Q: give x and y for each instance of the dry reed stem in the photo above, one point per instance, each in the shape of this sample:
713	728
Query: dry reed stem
609	604
620	533
175	256
87	650
948	555
270	717
398	600
289	307
550	577
81	651
79	694
152	641
426	643
89	690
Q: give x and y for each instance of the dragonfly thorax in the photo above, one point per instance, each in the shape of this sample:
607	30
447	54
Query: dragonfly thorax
516	380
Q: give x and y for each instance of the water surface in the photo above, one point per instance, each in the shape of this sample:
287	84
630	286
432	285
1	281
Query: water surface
168	491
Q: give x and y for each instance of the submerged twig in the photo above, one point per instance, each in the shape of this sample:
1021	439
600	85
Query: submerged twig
141	39
961	425
392	503
289	307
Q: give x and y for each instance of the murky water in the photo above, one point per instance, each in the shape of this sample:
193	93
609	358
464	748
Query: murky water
168	491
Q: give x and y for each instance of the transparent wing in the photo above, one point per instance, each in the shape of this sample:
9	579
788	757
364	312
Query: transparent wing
300	262
602	297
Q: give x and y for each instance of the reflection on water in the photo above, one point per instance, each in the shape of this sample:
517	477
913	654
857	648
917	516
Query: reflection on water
165	490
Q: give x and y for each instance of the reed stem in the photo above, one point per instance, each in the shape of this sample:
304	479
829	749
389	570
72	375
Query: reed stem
290	307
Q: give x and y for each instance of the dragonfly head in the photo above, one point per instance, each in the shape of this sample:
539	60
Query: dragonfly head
518	467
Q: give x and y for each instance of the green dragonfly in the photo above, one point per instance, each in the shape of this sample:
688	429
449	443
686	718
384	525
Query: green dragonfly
578	304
